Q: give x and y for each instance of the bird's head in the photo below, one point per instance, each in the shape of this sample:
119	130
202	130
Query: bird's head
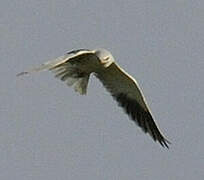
105	57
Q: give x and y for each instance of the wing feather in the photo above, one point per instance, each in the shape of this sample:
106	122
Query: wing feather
74	68
127	93
56	63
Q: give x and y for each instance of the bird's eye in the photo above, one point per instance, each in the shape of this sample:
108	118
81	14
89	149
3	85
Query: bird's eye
106	61
106	58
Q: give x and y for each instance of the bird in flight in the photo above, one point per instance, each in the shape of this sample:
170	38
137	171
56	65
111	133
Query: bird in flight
75	68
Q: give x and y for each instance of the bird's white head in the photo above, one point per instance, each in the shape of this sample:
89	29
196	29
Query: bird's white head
105	57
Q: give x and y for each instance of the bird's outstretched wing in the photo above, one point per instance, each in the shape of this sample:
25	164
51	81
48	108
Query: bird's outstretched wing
127	93
73	68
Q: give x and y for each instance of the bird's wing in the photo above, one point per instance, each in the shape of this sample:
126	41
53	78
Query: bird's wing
58	61
127	93
73	68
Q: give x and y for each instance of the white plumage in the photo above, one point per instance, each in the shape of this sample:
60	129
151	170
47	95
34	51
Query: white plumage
75	68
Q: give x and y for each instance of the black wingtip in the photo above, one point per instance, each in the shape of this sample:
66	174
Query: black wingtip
141	117
165	143
22	73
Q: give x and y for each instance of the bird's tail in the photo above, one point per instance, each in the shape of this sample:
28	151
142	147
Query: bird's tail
72	76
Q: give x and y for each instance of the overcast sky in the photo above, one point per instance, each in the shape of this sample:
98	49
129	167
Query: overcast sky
49	132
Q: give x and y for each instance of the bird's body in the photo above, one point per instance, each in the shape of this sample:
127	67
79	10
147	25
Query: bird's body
75	68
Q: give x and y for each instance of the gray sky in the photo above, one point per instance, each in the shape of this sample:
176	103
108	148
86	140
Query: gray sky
48	131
